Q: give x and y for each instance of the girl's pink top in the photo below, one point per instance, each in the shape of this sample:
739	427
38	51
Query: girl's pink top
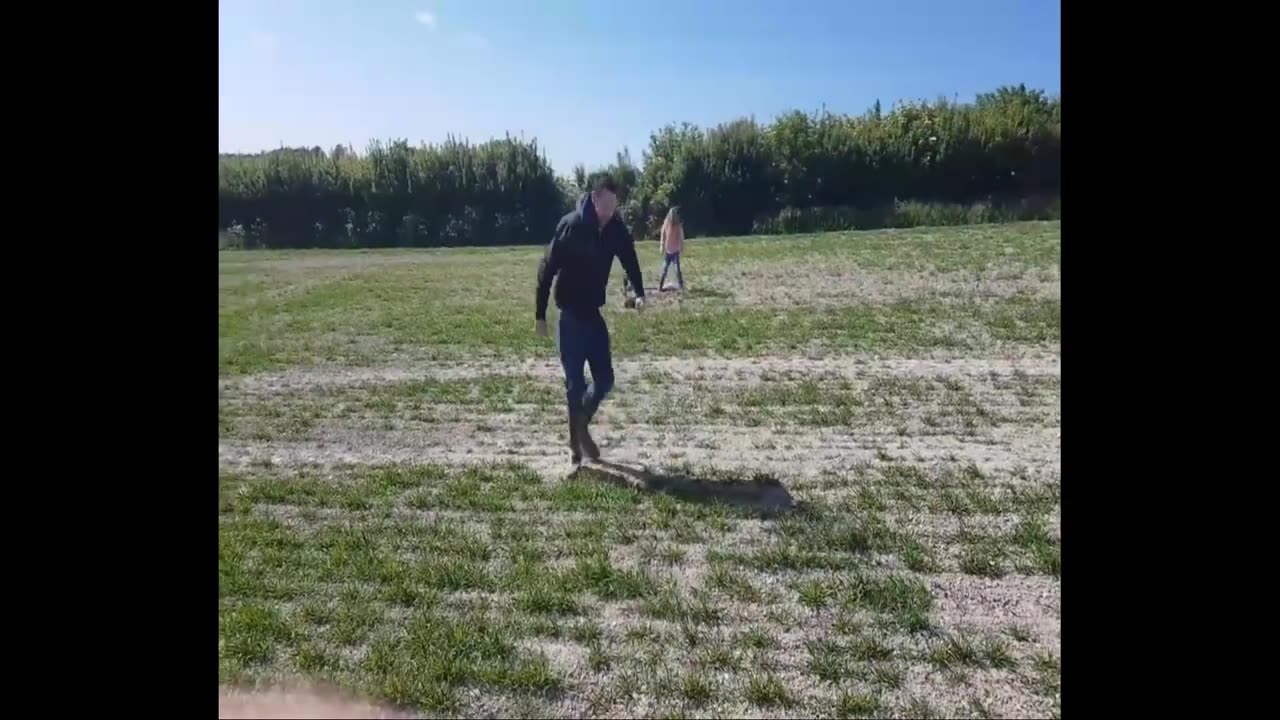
672	238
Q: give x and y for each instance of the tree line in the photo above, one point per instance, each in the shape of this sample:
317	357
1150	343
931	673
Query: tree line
940	162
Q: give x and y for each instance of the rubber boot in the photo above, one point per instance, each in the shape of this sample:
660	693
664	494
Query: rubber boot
575	448
584	437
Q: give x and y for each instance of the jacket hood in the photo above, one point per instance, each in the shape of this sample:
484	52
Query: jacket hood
588	209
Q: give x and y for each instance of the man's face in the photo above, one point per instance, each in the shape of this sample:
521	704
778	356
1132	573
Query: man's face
606	204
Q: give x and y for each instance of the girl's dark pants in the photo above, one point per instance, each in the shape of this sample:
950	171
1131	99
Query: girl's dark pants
671	258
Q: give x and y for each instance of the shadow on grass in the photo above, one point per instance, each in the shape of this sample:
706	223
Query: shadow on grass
673	295
702	291
763	495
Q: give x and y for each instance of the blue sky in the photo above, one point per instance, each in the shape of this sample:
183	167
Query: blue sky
587	78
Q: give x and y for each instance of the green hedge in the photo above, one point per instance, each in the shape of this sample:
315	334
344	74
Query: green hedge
920	163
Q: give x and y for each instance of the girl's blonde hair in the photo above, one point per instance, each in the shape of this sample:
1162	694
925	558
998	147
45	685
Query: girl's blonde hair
673	217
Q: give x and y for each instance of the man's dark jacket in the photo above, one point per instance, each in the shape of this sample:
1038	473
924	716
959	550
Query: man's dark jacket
582	253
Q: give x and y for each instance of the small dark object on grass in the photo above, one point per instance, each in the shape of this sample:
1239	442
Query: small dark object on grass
628	294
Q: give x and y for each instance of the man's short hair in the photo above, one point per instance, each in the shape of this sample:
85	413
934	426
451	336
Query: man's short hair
604	181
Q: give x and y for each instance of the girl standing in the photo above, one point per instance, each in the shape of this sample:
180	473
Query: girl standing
671	239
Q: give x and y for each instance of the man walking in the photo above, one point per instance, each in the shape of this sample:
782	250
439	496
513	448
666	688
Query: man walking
581	253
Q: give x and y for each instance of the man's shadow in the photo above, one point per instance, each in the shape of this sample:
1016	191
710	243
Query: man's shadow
762	495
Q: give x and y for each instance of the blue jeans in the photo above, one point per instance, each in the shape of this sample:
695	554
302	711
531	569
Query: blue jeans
583	338
671	258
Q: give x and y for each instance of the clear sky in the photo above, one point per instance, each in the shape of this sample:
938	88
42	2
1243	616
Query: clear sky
587	78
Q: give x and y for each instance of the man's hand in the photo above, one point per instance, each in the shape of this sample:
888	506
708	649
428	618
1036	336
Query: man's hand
541	328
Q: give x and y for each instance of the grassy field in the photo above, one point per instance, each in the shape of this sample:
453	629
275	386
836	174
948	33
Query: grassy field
832	486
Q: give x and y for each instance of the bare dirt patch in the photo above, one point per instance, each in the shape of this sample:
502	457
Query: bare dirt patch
993	604
667	412
1038	362
839	283
992	693
300	701
546	450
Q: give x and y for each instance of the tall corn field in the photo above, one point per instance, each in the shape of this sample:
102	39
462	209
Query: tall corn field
954	162
496	193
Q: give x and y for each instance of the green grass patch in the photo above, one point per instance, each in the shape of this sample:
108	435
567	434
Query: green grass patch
902	599
734	584
673	606
1044	555
857	705
757	639
1046	679
983	556
960	650
427	608
697	688
250	634
595	574
719	657
357	315
437	655
767	691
